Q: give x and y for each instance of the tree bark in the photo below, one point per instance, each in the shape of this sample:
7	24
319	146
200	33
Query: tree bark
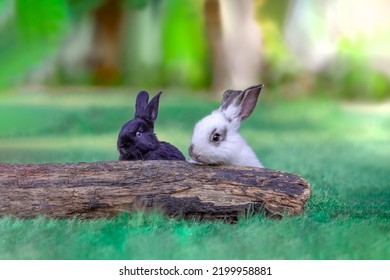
178	188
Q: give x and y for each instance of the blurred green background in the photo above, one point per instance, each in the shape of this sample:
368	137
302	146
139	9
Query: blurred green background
70	71
338	48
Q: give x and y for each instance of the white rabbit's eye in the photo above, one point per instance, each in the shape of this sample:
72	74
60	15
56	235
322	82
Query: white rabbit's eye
216	137
138	134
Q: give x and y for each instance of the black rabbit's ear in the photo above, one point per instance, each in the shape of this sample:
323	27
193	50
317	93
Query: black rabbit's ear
141	103
152	108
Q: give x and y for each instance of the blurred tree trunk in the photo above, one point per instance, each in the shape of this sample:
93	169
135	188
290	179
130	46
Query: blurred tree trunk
235	41
105	57
213	26
314	44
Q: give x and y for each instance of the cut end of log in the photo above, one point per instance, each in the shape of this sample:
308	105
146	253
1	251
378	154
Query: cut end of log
178	188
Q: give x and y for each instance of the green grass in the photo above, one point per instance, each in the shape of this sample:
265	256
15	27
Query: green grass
343	151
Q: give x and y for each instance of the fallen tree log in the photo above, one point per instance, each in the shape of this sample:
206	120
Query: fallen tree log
105	189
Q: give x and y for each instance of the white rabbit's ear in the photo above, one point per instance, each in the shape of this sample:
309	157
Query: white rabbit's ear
229	97
248	100
240	104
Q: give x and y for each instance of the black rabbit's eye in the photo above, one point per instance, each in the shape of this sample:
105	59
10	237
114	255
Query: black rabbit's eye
138	134
216	137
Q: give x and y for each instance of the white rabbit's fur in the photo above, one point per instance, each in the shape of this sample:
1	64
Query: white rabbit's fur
232	149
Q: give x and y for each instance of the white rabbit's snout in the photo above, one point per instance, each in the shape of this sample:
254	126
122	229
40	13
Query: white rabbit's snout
202	156
195	157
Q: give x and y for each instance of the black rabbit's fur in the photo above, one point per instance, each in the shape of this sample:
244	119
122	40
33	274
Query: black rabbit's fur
137	141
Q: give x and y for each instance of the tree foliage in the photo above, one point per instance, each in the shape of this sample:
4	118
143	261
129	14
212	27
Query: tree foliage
32	33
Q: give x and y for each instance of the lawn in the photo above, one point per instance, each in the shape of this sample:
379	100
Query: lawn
343	150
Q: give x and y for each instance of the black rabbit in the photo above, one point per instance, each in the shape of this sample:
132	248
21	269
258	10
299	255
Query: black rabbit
137	141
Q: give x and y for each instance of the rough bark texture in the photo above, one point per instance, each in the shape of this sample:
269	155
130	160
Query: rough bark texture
105	189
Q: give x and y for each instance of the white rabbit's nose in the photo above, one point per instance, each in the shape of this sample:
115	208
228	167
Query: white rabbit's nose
192	154
191	149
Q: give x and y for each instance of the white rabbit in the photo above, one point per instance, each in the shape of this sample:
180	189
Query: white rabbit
216	140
